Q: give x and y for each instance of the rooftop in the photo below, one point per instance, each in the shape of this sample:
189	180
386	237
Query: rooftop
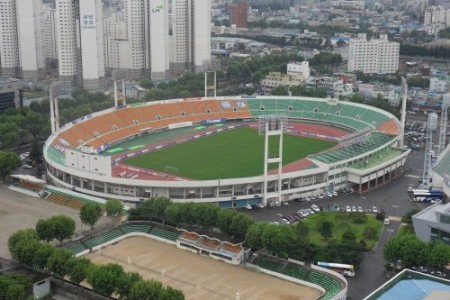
382	157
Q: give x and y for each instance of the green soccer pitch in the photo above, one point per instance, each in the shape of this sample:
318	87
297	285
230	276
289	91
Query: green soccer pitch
230	154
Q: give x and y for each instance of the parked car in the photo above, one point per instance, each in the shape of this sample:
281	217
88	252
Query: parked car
387	221
315	208
348	209
374	209
360	209
248	206
354	209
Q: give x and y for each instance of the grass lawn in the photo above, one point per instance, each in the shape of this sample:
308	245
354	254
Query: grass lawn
229	154
340	227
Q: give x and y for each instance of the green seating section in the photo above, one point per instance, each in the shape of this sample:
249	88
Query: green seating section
373	141
128	228
136	228
165	234
344	113
443	166
329	283
77	248
104	238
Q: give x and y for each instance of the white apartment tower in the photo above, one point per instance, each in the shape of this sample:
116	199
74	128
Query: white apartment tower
379	56
9	48
92	47
49	33
30	38
191	34
79	28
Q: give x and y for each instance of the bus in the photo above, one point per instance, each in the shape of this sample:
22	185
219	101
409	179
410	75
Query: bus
421	195
346	270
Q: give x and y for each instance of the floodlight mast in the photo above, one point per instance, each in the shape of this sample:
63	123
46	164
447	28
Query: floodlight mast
272	125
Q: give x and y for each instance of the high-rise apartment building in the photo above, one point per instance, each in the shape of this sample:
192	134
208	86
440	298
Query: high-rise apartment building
191	35
437	15
21	45
9	47
137	40
238	14
79	27
379	56
30	38
49	33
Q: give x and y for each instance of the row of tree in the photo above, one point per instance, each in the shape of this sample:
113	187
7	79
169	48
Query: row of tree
281	240
229	221
300	90
27	249
413	252
412	50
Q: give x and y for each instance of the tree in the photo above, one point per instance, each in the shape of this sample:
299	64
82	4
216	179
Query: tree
90	213
224	219
64	227
302	230
103	278
170	293
239	225
146	290
174	214
14	287
42	255
159	206
439	255
370	233
254	234
58	262
9	161
45	230
77	268
20	235
348	237
325	229
113	207
24	251
125	282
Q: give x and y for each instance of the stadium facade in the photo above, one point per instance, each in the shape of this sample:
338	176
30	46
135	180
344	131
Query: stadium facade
367	157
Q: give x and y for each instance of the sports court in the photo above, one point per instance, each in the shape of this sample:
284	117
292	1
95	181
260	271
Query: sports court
197	276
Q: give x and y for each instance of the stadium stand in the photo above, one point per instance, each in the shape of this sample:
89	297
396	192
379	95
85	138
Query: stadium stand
331	285
443	166
68	200
373	141
35	187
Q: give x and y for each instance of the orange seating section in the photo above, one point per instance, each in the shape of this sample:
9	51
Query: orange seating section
231	248
66	201
122	123
389	127
31	186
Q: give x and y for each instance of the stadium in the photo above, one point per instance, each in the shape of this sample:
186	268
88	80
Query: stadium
213	149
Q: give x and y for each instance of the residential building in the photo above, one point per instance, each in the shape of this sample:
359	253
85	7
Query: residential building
299	68
348	4
69	50
79	28
10	94
92	45
379	56
137	40
437	14
49	33
191	35
276	79
238	14
30	39
9	47
440	83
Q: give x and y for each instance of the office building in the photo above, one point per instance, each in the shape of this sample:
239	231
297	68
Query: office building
238	14
377	56
191	35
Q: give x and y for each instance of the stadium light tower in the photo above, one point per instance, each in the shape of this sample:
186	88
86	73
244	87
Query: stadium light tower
403	113
210	87
55	91
443	125
122	100
272	125
431	126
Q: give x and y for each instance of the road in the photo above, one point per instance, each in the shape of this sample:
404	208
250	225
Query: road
392	198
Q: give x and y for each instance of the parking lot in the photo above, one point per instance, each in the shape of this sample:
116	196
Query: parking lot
392	198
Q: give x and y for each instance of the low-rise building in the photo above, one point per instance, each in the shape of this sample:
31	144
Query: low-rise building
276	79
10	94
440	83
299	68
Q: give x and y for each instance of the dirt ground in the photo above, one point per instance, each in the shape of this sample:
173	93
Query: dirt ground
197	276
19	211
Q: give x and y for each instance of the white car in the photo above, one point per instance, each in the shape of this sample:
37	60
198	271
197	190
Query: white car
335	193
387	221
348	209
360	209
374	209
315	208
354	209
248	206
